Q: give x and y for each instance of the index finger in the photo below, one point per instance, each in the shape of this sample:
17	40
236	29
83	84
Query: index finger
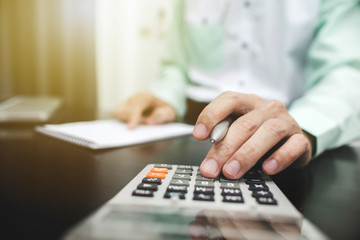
224	105
135	117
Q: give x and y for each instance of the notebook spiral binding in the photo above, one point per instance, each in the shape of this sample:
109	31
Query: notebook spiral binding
66	138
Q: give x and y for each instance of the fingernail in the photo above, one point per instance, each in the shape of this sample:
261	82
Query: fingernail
200	130
271	166
210	166
233	168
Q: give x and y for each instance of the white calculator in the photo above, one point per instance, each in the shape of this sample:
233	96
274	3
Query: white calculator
167	201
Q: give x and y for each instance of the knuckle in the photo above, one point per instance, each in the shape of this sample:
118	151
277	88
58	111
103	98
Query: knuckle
247	124
208	116
302	140
229	94
249	151
275	105
255	98
225	149
276	126
291	152
285	154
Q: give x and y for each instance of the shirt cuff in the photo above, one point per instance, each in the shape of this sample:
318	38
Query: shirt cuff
319	126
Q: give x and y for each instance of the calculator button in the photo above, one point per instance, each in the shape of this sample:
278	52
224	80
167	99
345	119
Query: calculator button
183	171
156	175
204	184
233	198
161	165
151	180
266	201
182	176
202	178
203	197
188	167
231	191
228	180
180	182
261	193
159	170
204	190
143	193
177	188
229	185
148	186
254	180
258	186
174	194
252	174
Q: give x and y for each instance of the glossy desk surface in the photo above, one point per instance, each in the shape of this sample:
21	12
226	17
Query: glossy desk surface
47	186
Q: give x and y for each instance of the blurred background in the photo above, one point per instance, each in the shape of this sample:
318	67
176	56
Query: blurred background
91	53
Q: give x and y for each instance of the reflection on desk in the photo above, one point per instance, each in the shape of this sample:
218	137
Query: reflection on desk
120	222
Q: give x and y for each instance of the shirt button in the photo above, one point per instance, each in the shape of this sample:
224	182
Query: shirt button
241	83
244	45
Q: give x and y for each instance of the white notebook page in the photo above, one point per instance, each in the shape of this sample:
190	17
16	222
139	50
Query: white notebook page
112	133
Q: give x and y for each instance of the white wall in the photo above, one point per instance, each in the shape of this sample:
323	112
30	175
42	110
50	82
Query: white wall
129	36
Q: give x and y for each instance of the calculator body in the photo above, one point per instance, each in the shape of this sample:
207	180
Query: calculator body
179	203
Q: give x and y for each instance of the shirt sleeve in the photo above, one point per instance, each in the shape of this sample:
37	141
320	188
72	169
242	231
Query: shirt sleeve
330	108
171	84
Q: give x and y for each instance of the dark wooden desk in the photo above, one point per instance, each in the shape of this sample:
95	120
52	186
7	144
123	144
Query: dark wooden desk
47	186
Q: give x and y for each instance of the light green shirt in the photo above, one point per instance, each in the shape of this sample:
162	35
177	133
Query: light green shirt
318	65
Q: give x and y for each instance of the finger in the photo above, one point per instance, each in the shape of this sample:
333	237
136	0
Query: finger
270	133
161	114
224	105
135	117
297	147
239	132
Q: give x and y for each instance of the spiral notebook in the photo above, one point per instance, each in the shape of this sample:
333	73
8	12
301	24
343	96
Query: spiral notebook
102	134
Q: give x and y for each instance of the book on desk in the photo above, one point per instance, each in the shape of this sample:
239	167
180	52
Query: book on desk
24	109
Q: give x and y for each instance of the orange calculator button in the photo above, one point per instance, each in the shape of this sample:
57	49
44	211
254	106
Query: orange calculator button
159	170
156	175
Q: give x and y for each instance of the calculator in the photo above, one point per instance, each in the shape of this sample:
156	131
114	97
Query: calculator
166	201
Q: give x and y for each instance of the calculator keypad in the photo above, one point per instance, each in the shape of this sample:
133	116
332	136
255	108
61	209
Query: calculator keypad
202	188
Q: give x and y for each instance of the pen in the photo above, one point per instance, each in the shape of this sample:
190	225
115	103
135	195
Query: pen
219	131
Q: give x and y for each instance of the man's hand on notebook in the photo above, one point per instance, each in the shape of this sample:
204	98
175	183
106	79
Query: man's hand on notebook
145	108
261	127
